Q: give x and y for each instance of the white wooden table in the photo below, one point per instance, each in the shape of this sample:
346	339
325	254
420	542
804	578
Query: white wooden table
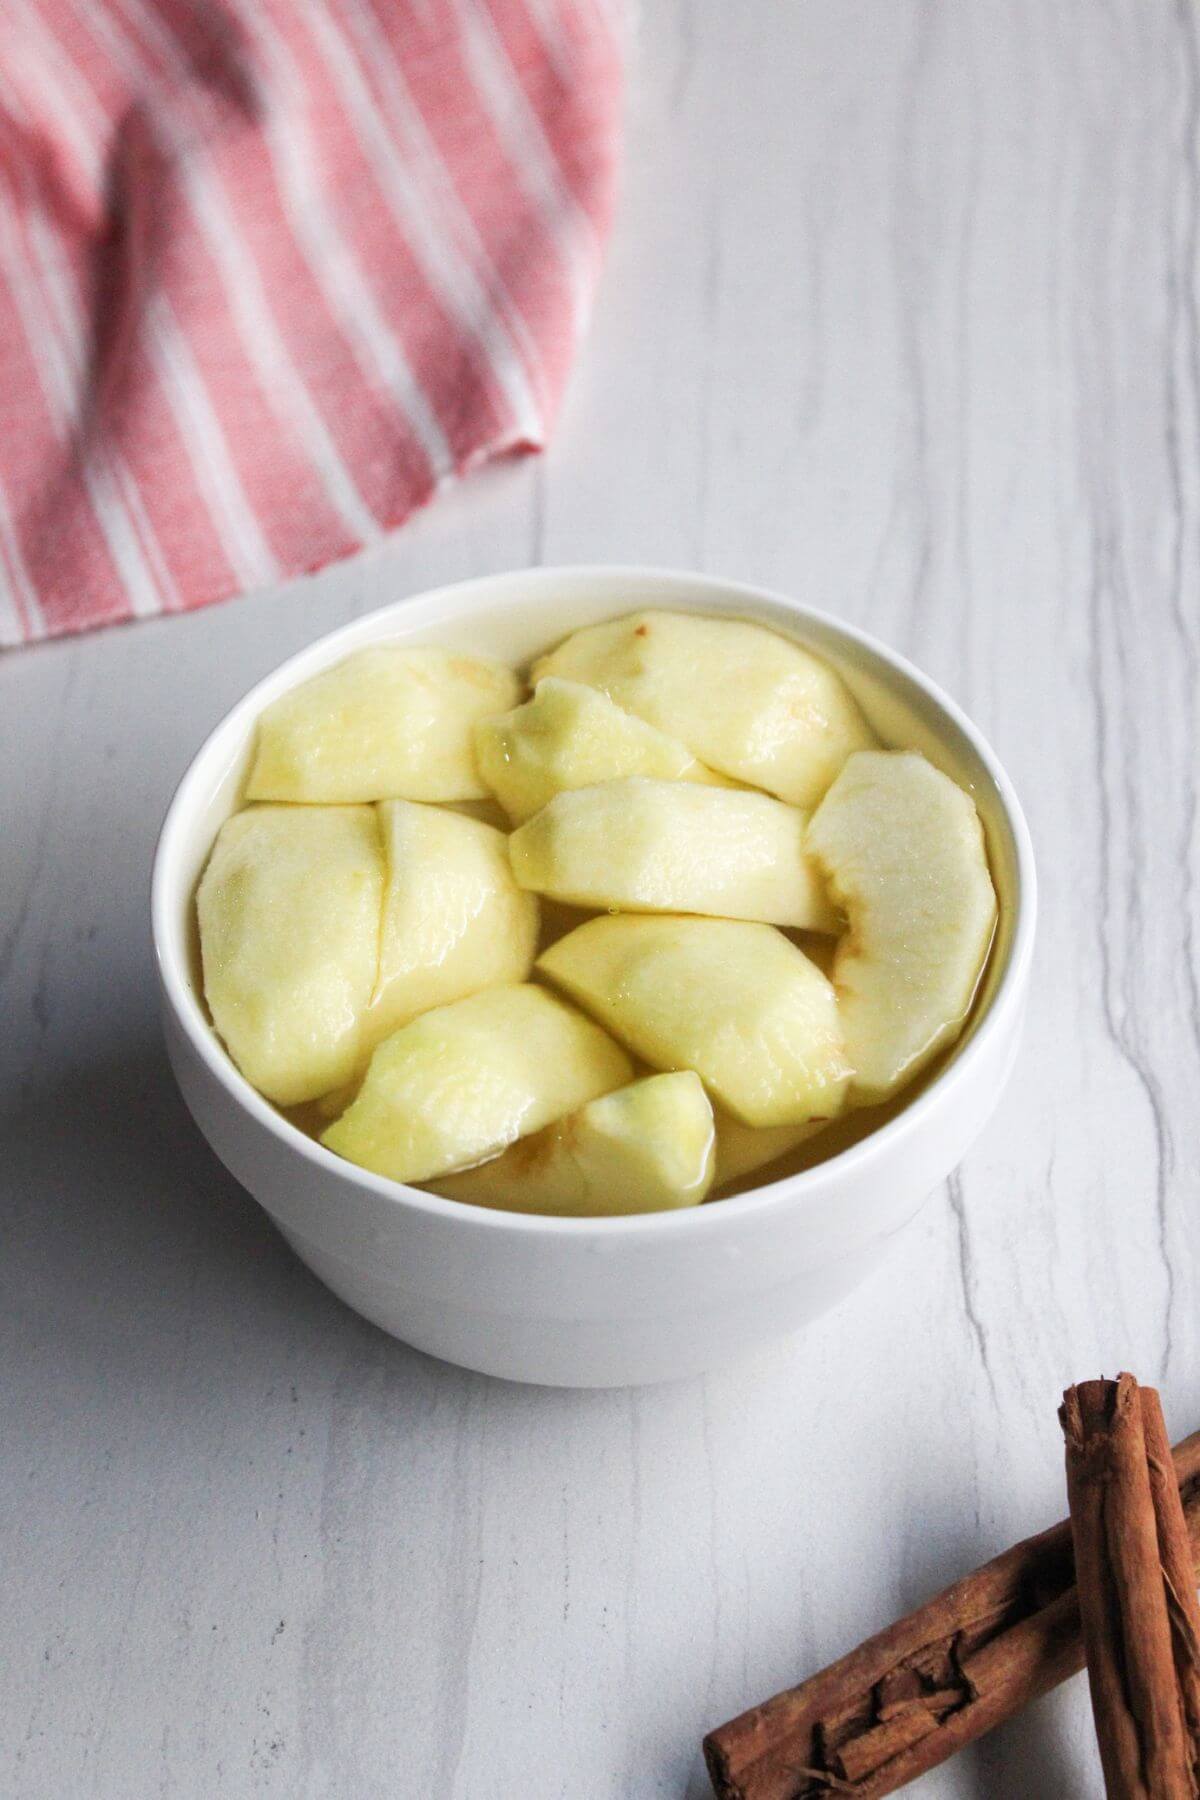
900	316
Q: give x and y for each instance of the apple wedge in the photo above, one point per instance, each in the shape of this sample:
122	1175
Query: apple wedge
393	722
736	1002
640	845
570	736
464	1081
647	1147
289	909
743	1149
903	851
454	920
743	699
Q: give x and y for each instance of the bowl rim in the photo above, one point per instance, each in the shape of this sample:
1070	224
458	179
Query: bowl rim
794	1190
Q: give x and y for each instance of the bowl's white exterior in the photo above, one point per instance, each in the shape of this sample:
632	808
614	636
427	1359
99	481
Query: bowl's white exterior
604	1302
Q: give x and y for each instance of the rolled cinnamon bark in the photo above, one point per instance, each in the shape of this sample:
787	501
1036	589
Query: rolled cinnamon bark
1175	1555
935	1681
1123	1593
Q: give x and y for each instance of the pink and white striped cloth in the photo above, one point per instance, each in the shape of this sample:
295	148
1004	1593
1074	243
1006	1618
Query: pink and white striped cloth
271	270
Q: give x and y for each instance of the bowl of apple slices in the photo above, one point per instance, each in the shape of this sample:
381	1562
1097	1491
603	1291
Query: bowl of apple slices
591	970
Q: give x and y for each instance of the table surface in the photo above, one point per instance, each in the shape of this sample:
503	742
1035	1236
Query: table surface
900	317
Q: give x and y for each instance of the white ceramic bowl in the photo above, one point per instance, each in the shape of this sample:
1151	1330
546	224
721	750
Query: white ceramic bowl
595	1302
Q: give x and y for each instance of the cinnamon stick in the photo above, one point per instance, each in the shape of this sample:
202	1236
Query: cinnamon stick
1137	1703
930	1684
1175	1555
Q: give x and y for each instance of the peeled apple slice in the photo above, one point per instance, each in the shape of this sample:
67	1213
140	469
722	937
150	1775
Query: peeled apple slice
454	920
392	722
668	846
741	1149
736	1002
464	1081
647	1147
743	699
289	941
903	850
570	736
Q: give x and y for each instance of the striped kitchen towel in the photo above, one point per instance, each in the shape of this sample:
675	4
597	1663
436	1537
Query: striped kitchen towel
271	270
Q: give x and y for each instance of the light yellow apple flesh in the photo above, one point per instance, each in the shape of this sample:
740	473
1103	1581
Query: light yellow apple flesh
736	1002
743	699
903	852
647	1147
289	910
454	920
391	722
464	1081
743	1149
667	846
570	736
367	939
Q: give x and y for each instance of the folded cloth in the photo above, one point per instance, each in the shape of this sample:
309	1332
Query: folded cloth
271	270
